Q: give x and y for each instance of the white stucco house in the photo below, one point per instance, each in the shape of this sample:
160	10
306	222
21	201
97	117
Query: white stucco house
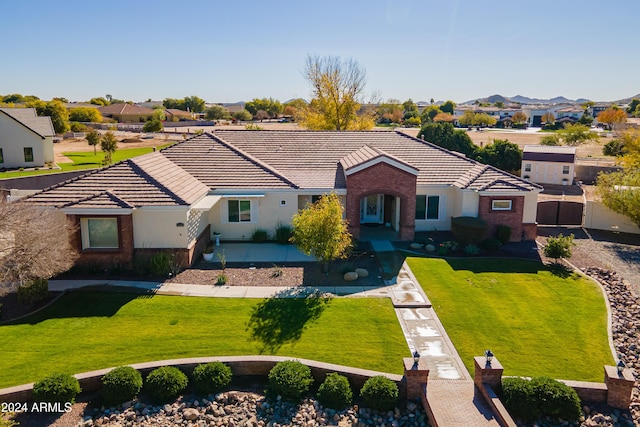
548	164
26	139
235	181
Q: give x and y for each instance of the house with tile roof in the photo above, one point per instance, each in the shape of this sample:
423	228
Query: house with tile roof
545	164
126	113
235	181
26	139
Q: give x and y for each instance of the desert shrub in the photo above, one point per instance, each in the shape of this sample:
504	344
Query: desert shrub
165	383
559	247
451	245
540	397
259	235
283	234
211	377
468	229
614	148
57	387
379	393
490	245
160	263
221	280
78	127
35	291
335	392
120	385
471	249
503	233
289	379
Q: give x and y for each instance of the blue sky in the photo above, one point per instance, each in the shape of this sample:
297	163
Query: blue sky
226	51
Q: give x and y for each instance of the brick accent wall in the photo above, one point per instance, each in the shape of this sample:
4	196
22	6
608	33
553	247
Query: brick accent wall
122	257
382	178
511	218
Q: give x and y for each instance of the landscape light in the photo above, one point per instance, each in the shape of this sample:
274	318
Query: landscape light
621	367
416	357
488	355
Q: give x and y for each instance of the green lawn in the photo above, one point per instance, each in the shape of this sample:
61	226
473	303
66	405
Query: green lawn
92	330
82	160
535	322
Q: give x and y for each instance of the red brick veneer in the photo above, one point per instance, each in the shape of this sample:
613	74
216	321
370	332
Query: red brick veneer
123	256
511	218
382	178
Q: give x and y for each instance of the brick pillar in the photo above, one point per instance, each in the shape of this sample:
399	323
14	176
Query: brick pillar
416	377
619	387
487	374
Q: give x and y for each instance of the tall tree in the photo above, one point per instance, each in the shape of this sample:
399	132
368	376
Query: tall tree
548	118
85	114
576	134
502	154
612	117
519	118
217	112
320	231
429	113
93	138
337	87
35	242
620	192
446	136
109	145
194	104
448	107
56	110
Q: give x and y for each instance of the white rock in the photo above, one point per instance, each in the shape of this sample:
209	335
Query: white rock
349	277
362	272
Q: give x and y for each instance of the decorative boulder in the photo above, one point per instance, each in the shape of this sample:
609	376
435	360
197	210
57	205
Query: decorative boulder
416	245
362	272
430	248
190	414
350	276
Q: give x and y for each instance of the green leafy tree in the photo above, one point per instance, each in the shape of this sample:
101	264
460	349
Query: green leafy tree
429	113
109	145
337	87
57	111
551	139
467	119
448	107
559	247
85	114
271	106
633	106
410	109
153	125
217	112
446	136
194	104
501	154
319	230
242	115
576	134
93	138
17	98
620	192
483	119
390	111
99	101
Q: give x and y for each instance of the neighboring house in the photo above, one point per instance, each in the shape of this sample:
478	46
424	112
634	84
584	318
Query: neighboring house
126	113
234	182
26	139
548	164
175	115
572	112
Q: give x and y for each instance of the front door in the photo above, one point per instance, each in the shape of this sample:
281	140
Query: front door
372	209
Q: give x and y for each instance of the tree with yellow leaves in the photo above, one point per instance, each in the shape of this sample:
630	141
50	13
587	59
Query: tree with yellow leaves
612	116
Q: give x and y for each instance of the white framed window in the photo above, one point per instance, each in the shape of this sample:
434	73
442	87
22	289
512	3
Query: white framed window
99	233
427	207
237	211
565	170
28	154
527	167
283	203
501	205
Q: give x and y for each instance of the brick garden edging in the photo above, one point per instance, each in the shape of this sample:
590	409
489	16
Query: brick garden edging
240	366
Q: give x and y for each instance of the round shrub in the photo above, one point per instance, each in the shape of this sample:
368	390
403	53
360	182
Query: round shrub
517	396
540	397
379	393
503	232
289	379
335	392
468	229
57	387
166	383
34	291
211	377
121	384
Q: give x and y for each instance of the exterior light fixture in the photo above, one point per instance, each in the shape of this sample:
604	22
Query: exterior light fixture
488	356
416	357
620	367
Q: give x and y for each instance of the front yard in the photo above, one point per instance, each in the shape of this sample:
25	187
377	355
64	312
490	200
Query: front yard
91	330
535	322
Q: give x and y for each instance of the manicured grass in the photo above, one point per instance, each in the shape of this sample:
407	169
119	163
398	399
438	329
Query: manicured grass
535	322
92	330
83	160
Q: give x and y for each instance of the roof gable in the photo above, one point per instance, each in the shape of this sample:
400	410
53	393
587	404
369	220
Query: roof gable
368	156
27	117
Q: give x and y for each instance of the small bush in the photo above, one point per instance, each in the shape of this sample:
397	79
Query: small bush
451	245
165	383
443	250
259	235
503	233
335	392
121	384
160	263
289	379
379	393
614	148
468	229
56	388
283	234
471	249
490	245
559	247
211	377
35	291
539	397
221	280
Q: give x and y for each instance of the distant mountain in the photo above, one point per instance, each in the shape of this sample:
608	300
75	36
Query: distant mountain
627	100
519	99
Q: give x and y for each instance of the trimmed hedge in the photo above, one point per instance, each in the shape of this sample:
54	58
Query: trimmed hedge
379	393
211	377
289	379
539	397
165	383
468	229
335	392
57	387
120	385
503	233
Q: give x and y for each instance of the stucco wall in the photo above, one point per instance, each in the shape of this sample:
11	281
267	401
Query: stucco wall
157	228
547	172
267	215
530	208
14	137
600	217
448	197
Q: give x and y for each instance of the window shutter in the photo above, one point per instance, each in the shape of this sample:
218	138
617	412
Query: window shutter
254	211
224	212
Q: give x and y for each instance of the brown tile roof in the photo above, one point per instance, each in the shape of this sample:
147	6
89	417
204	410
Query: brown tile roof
149	180
125	109
487	178
367	154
